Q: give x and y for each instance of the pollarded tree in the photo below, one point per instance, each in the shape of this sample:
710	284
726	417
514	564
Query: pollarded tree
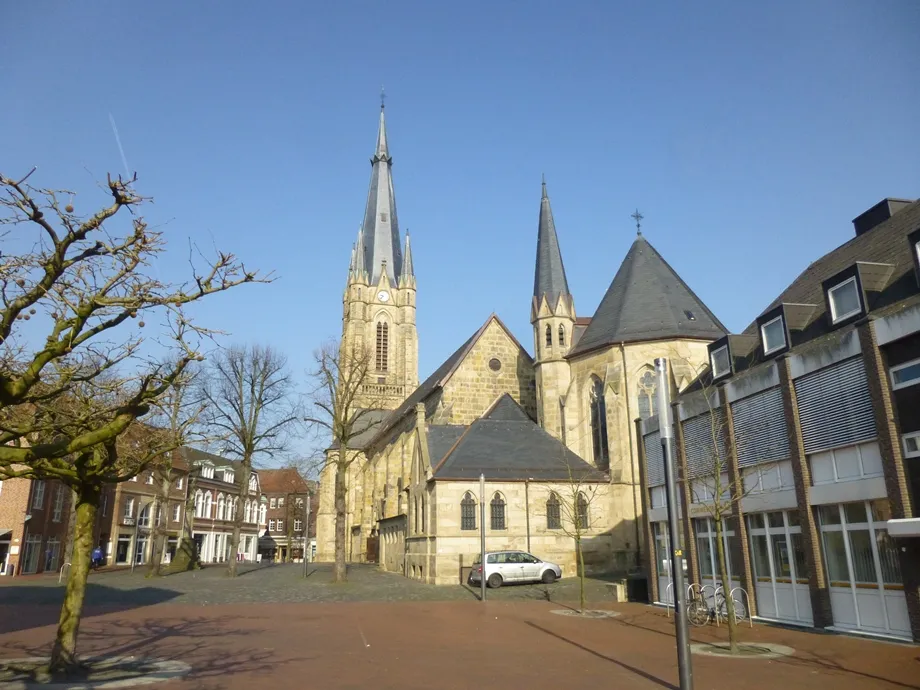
75	296
249	406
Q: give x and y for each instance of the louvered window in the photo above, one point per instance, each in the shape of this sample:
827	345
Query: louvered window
835	408
654	459
383	342
760	428
704	444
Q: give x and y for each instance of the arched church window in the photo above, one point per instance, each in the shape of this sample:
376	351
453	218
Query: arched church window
581	512
561	335
497	511
599	424
383	343
553	514
648	398
549	335
468	512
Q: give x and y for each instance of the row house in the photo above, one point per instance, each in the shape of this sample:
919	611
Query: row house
809	423
289	532
34	521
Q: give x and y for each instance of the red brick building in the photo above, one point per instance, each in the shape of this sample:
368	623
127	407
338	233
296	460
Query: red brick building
34	520
283	532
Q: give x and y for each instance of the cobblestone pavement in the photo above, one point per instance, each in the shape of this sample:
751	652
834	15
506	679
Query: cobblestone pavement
277	584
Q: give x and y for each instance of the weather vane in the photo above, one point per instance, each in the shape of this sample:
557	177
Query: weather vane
383	97
638	218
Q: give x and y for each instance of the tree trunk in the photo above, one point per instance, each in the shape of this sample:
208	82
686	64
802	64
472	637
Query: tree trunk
64	650
581	574
726	587
338	571
238	516
158	534
71	524
187	551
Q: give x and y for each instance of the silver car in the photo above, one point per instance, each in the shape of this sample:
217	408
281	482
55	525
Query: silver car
514	566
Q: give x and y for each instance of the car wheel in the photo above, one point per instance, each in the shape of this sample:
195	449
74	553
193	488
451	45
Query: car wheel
494	581
549	577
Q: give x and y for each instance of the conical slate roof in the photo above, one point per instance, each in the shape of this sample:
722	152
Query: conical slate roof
549	274
647	300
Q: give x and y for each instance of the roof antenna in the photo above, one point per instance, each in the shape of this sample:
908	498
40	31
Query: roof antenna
638	218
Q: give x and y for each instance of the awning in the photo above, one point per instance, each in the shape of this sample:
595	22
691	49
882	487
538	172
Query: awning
907	527
5	533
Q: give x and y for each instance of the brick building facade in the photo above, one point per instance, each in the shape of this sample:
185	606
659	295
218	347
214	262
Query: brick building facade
34	521
285	535
812	414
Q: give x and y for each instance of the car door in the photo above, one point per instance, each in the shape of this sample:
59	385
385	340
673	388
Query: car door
530	567
508	567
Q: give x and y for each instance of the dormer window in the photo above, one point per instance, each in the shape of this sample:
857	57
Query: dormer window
720	362
844	300
773	335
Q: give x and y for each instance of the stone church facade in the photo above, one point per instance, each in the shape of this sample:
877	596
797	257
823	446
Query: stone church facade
553	433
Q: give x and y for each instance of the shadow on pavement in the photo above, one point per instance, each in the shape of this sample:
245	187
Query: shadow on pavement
631	669
34	606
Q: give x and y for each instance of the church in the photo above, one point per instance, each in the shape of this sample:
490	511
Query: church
553	431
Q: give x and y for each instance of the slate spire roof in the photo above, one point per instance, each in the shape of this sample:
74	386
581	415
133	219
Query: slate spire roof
647	300
549	275
381	227
407	269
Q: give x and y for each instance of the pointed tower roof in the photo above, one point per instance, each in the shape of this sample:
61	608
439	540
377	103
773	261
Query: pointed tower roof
381	227
407	269
359	256
549	275
647	300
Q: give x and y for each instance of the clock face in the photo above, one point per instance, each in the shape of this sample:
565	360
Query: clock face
383	295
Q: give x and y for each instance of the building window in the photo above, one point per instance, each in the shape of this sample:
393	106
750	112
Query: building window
581	512
38	495
221	505
149	479
561	335
844	299
549	336
252	484
133	479
468	512
497	512
904	375
383	345
179	483
280	525
58	504
52	554
599	423
199	504
912	445
773	334
247	511
648	400
129	508
281	502
271	525
207	472
273	503
720	362
143	519
208	502
262	514
553	514
177	512
298	525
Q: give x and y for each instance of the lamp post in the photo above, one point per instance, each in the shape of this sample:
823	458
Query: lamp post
482	536
666	431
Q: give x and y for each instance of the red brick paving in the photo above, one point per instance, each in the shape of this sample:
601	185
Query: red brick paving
455	645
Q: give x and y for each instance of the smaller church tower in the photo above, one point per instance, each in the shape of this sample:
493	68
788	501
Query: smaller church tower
379	299
552	314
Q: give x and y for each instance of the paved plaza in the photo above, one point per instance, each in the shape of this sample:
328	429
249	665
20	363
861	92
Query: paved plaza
271	628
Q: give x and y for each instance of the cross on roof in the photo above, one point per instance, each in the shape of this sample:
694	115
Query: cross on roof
383	97
638	218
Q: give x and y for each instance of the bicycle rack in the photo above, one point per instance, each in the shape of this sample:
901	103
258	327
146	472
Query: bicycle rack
670	588
61	575
746	602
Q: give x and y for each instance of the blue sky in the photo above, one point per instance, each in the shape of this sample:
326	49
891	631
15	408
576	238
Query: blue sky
748	134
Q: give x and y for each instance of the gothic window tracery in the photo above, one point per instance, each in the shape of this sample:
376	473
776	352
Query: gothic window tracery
497	511
468	512
383	344
553	513
549	336
648	399
561	335
599	423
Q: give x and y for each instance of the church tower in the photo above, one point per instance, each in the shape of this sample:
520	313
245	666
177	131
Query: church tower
552	314
379	300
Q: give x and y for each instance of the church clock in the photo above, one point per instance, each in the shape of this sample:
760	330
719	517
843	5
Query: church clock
383	296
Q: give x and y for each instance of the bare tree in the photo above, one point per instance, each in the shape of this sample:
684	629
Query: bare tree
65	411
248	393
344	402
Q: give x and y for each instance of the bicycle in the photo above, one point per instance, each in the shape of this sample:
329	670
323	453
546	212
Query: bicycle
700	612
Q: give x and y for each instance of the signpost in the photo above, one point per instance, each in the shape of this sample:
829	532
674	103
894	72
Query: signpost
676	555
306	535
482	536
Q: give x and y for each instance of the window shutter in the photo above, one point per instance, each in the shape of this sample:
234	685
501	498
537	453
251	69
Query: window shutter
760	428
654	459
835	408
700	447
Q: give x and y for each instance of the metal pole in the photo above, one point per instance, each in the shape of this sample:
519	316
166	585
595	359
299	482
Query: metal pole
482	536
306	535
684	664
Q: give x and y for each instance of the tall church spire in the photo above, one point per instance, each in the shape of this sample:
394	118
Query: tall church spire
381	227
407	277
549	275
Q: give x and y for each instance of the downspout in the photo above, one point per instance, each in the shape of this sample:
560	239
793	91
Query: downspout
527	510
632	454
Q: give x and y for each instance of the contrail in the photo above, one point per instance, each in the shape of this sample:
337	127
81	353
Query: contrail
121	149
